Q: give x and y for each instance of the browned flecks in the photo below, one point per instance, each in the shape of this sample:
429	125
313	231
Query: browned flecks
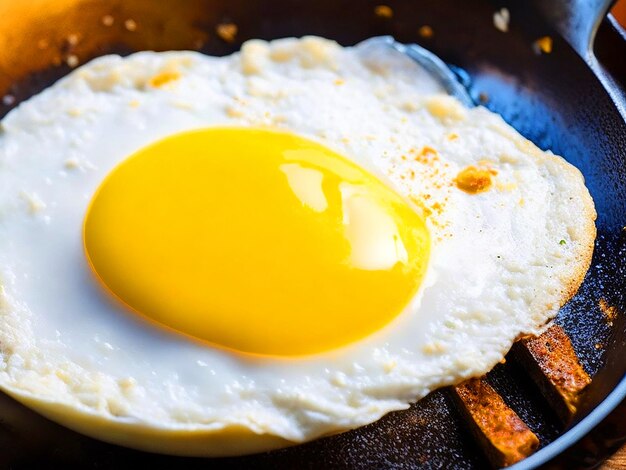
610	311
475	179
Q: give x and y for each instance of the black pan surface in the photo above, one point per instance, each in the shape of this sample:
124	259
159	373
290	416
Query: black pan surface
553	99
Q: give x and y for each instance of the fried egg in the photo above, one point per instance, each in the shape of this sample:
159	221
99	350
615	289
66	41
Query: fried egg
219	256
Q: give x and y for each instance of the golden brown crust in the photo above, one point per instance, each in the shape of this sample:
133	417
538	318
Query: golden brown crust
500	432
552	363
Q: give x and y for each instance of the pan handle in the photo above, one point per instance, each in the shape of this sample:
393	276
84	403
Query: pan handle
578	21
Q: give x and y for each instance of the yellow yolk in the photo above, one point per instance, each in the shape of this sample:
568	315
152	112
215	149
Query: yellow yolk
255	240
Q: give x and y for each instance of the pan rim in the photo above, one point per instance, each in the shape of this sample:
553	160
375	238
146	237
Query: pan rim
580	430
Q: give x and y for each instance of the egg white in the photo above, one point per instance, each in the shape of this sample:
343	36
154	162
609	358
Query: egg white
498	267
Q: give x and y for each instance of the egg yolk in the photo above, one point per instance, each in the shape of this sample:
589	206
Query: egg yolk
255	240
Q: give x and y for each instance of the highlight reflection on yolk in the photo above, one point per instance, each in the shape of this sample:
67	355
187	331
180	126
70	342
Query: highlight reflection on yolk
255	240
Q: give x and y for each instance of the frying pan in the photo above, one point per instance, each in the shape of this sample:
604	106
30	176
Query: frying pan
567	101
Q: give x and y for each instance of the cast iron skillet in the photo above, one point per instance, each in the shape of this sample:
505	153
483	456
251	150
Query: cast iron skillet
565	101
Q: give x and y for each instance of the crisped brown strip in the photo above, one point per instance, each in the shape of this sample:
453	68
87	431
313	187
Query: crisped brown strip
500	432
551	362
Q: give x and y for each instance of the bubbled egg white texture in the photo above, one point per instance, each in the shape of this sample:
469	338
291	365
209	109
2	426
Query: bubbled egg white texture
511	233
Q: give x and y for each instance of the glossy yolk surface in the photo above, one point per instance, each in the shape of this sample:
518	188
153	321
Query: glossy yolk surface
255	240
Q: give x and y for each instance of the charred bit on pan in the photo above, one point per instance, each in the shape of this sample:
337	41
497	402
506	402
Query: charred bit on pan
69	43
426	32
501	20
72	61
384	11
543	45
130	25
609	311
107	20
72	40
227	31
